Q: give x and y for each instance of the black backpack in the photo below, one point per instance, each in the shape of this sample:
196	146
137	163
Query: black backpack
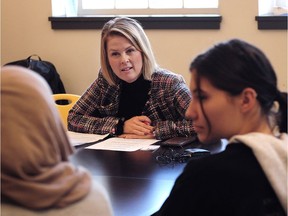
46	69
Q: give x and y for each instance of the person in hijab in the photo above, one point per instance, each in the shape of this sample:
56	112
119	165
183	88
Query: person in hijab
235	97
36	175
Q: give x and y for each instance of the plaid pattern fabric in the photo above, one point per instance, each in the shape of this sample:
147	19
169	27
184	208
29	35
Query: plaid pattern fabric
169	97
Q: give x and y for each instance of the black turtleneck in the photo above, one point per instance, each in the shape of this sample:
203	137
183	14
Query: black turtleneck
133	97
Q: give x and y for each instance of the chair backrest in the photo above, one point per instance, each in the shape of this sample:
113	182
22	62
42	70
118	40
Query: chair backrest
64	108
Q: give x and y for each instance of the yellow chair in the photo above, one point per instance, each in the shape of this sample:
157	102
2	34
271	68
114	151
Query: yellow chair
64	108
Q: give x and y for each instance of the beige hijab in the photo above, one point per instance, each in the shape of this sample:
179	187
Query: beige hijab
35	171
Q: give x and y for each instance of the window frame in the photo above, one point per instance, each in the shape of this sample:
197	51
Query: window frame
271	22
205	20
268	17
145	11
148	22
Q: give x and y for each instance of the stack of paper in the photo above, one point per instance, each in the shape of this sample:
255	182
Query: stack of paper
122	144
84	138
99	142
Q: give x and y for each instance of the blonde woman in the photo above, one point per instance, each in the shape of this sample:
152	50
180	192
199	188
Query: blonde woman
132	97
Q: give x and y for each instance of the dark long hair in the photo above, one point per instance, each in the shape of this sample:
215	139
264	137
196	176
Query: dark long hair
235	65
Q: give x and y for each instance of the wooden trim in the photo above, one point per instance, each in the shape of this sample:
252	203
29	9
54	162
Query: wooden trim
266	22
148	22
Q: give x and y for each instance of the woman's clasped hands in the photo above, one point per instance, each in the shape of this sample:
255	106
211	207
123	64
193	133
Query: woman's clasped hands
138	127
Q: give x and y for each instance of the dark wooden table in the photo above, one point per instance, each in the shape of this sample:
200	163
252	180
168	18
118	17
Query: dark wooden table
136	183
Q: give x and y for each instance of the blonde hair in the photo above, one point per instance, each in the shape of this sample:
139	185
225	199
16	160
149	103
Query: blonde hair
132	31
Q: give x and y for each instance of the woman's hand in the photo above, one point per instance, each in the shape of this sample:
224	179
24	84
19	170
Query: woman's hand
134	136
139	126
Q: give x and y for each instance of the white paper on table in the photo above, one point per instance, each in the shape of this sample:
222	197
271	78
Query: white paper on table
122	144
84	138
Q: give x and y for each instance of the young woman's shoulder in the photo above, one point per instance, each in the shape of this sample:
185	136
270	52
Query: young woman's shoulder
230	158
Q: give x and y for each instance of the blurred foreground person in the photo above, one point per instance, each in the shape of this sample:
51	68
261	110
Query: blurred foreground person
36	175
